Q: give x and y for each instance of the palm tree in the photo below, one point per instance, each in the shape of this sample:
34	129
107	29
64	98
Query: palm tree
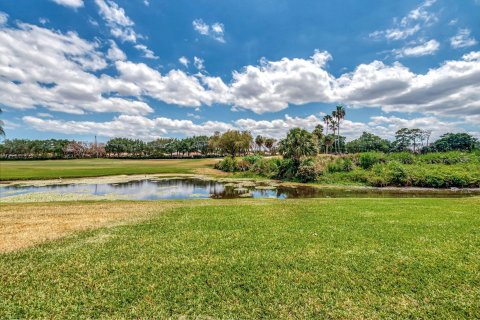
298	143
2	132
328	140
339	114
327	119
334	127
269	142
259	141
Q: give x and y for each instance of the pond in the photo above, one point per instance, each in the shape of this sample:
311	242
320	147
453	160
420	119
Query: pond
191	188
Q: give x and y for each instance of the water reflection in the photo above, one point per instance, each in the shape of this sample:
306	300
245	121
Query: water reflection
197	188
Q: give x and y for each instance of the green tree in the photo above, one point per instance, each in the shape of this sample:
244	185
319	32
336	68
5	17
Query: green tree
334	127
327	119
259	141
339	115
297	144
234	142
328	141
403	140
455	142
269	143
318	134
368	142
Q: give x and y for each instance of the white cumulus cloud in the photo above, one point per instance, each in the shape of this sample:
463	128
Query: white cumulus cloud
70	3
463	39
410	24
117	20
424	49
114	53
214	31
184	61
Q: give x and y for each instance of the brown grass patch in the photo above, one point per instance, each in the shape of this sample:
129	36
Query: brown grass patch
24	225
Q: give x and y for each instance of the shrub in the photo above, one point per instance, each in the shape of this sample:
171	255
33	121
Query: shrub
402	157
452	157
253	158
228	164
243	165
396	174
266	167
287	169
340	165
368	159
306	171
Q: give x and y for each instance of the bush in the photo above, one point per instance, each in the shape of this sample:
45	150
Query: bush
446	157
368	159
287	169
306	171
266	167
243	166
228	164
340	165
252	159
396	174
402	157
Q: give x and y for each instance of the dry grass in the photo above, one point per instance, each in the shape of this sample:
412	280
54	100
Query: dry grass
25	225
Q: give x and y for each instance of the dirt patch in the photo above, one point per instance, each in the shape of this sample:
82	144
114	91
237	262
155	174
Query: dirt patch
211	172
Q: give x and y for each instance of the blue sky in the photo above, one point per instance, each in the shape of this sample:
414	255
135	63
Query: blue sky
76	68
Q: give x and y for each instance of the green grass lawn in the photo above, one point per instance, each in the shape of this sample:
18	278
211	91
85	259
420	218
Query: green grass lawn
315	258
52	169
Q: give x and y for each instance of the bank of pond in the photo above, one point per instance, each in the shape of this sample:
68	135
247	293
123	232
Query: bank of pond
404	169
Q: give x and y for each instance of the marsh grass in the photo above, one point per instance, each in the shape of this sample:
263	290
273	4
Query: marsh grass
315	258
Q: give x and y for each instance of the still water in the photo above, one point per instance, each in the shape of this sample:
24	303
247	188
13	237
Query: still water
189	188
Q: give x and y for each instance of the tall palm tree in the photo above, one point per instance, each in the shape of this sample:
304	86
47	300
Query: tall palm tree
334	127
335	118
339	114
327	119
2	131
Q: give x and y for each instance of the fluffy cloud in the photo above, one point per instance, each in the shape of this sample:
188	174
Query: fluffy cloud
409	25
3	18
70	3
184	61
147	53
424	49
453	89
175	88
462	39
60	74
275	84
148	129
119	23
215	31
114	53
198	63
40	67
127	126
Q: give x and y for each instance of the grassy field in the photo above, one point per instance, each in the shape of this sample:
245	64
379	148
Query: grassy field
316	258
53	169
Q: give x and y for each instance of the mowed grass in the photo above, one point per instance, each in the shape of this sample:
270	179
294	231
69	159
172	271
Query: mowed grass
53	169
302	258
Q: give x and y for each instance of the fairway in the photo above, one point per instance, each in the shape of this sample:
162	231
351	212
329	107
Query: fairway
316	258
54	169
